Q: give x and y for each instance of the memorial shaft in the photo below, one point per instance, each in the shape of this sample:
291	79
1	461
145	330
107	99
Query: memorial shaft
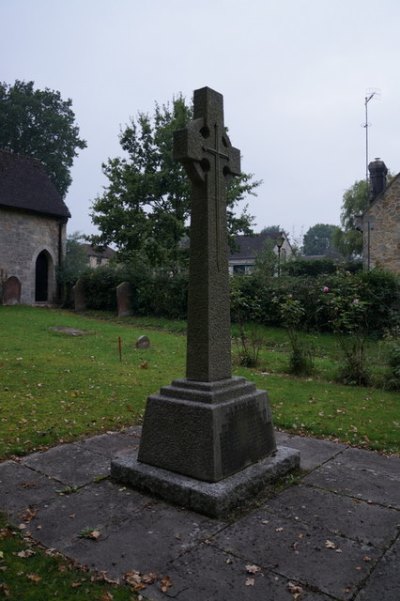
205	150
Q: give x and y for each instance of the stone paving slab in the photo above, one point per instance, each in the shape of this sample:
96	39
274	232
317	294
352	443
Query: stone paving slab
147	541
111	444
70	464
21	487
364	479
313	451
101	507
314	556
342	515
335	534
374	463
206	574
384	583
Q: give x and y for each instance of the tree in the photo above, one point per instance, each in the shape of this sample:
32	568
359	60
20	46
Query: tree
349	240
267	260
271	229
74	264
318	240
38	123
144	209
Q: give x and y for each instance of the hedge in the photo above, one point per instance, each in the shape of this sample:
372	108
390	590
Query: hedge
253	298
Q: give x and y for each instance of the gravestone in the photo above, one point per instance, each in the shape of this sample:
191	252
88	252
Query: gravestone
11	291
78	293
124	297
208	439
142	342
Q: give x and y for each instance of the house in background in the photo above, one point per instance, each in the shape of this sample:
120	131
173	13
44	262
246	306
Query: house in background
98	256
33	220
242	260
380	223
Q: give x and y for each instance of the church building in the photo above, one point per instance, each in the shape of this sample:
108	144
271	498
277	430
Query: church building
33	220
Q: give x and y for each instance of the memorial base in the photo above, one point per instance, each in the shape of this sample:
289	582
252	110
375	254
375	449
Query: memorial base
215	499
207	430
207	446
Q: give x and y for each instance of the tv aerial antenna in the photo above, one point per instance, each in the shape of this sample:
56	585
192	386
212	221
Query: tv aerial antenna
369	95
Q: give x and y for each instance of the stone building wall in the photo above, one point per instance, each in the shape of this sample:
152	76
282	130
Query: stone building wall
381	230
22	237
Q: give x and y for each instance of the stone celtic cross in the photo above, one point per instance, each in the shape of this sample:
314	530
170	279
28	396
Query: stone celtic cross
209	427
204	149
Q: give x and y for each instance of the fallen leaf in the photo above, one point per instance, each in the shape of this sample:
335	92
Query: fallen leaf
249	582
4	590
165	584
76	584
330	544
149	578
107	596
91	534
5	533
367	558
252	569
295	590
133	577
144	365
279	529
34	578
1	555
26	553
104	577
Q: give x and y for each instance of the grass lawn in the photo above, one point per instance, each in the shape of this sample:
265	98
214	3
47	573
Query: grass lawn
31	573
55	388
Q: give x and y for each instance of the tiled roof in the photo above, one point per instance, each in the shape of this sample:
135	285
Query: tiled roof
98	251
25	185
248	247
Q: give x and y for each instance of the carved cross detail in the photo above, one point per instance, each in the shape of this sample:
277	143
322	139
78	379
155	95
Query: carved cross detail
192	146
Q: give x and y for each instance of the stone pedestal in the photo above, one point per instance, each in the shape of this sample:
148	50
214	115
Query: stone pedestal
214	499
206	446
207	430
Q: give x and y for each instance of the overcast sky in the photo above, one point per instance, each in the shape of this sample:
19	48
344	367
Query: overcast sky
294	75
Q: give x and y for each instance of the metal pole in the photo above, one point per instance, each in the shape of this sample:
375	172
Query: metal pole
367	99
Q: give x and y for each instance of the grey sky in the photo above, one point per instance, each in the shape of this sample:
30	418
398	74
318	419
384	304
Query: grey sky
294	74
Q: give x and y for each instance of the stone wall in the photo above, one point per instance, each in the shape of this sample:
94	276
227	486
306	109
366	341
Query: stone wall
381	231
22	238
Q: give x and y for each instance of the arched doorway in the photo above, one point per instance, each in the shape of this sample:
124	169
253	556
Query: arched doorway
42	277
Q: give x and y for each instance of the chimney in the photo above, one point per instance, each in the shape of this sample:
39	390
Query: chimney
377	173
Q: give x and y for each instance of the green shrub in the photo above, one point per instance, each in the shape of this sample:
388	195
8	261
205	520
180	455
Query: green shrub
100	285
163	295
300	358
309	267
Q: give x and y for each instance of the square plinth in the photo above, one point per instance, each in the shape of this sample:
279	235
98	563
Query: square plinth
214	499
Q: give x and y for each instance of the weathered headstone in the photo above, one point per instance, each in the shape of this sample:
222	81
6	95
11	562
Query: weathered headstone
209	426
124	298
11	291
78	292
142	342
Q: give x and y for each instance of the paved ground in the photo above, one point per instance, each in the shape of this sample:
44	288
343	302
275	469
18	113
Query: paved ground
333	535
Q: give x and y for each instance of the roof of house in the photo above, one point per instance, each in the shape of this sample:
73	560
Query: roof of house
25	185
248	247
103	252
